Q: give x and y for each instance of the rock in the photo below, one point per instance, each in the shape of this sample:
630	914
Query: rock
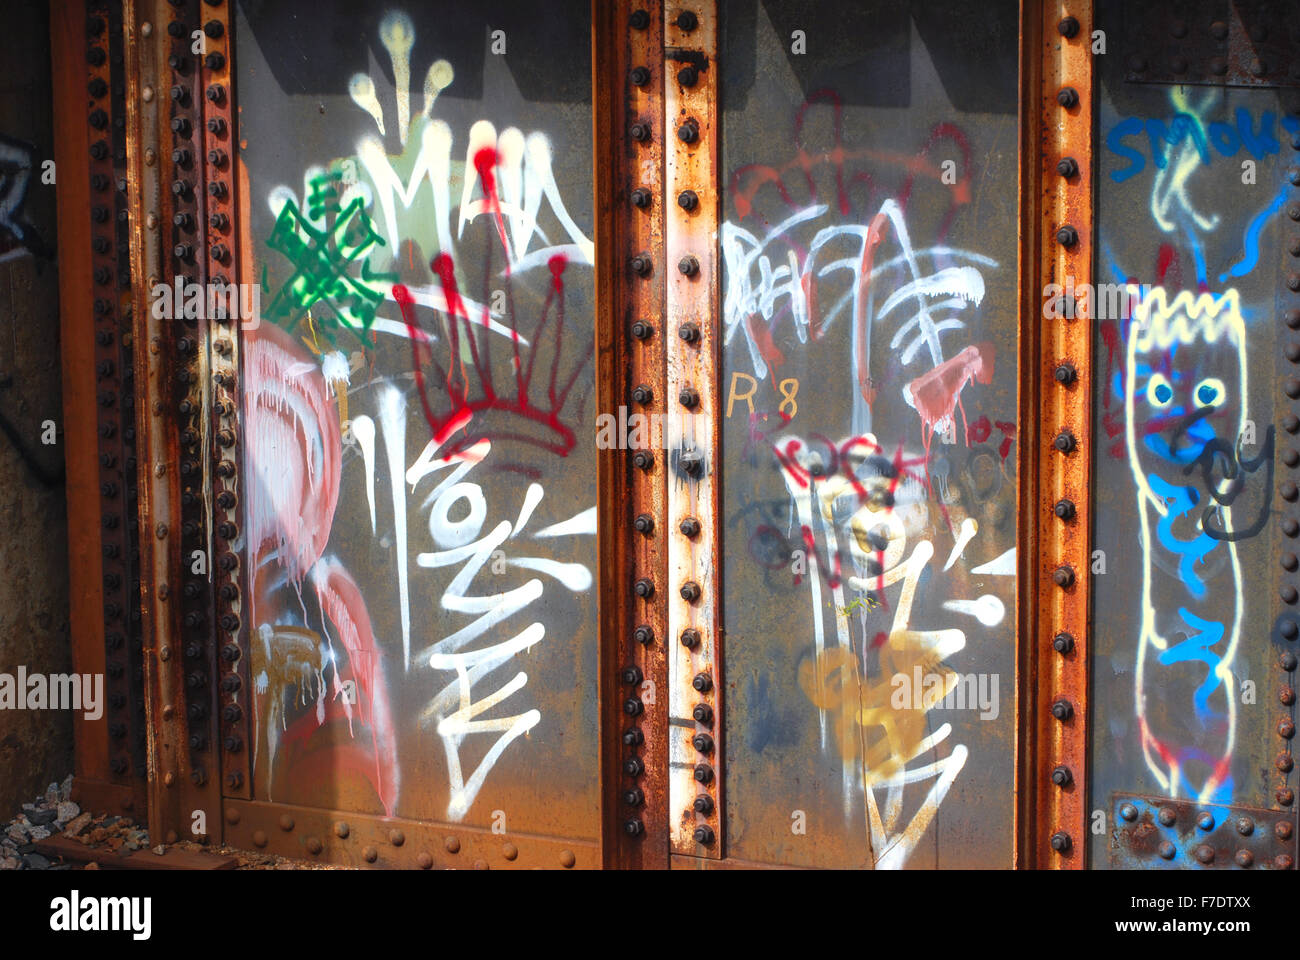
67	810
40	833
43	817
10	863
17	834
35	861
65	789
52	795
78	823
92	865
160	850
26	848
109	821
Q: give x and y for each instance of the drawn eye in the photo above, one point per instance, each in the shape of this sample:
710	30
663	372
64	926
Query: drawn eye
1159	392
1211	392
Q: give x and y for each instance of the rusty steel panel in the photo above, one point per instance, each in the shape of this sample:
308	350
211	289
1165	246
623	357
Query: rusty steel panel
1198	224
1159	833
418	462
98	381
367	841
1056	570
632	485
696	744
868	410
1226	43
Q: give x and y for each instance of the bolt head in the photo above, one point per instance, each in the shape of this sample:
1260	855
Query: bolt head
1245	858
1068	27
703	772
1128	812
1063	643
687	200
1060	842
1166	850
643	634
1062	777
1167	816
690	638
704	835
1205	821
690	527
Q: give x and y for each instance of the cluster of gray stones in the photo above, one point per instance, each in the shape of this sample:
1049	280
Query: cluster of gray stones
52	813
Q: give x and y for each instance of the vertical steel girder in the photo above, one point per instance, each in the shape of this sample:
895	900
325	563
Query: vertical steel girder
695	712
98	385
1055	408
629	125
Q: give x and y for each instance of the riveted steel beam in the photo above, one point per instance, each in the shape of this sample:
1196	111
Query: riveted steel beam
98	383
630	200
695	713
1155	833
1056	251
1281	692
360	840
218	156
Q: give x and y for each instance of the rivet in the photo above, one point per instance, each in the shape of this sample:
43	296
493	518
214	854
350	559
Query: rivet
1287	661
510	851
1128	812
146	29
232	815
1068	28
424	861
369	854
1289	561
171	836
1062	777
159	469
286	822
1178	65
396	837
1062	710
567	859
1166	850
1284	763
1284	862
160	531
168	712
1204	853
259	838
314	845
1068	97
1064	509
1205	821
1285	796
169	778
1245	826
1060	842
1219	30
1245	858
341	829
452	845
1063	576
480	865
1282	829
1286	728
1167	816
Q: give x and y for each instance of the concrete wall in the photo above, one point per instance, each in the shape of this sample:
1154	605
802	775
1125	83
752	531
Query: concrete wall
35	746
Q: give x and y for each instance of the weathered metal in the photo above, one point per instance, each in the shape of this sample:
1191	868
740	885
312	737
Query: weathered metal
97	401
1161	833
634	526
1054	563
693	334
1230	44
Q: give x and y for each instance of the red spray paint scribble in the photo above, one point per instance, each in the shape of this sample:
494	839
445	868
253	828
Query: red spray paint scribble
747	180
485	162
1008	437
978	431
462	409
937	392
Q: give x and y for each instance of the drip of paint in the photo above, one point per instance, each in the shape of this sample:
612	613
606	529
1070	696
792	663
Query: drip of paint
363	428
362	90
397	34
